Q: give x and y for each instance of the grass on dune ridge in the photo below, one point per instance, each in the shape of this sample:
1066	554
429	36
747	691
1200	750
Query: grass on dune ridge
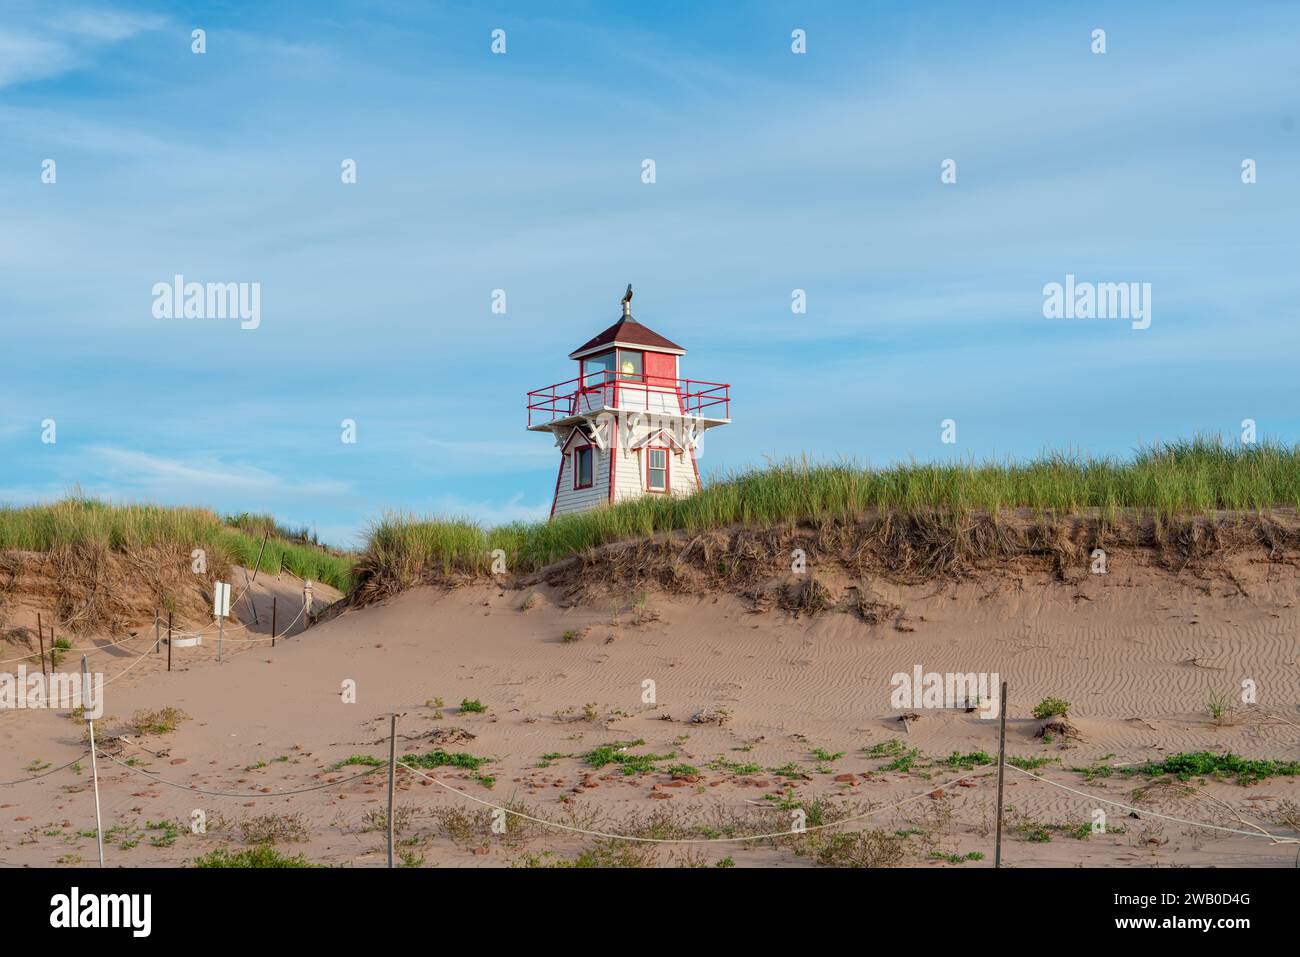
1187	477
78	520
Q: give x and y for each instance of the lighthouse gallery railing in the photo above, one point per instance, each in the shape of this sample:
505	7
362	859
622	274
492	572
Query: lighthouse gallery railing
627	391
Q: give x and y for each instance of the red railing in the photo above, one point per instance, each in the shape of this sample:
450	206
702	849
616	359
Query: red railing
629	392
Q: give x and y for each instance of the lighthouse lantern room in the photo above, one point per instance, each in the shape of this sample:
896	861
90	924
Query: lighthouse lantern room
628	425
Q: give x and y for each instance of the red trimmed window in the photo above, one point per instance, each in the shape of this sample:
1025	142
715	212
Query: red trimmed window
656	469
583	466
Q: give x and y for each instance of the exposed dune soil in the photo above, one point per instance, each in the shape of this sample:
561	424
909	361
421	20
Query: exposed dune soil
762	711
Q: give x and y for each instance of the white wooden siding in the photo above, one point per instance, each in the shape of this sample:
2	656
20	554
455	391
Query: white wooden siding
569	499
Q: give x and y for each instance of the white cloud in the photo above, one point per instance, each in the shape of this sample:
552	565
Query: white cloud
105	25
54	45
201	478
24	58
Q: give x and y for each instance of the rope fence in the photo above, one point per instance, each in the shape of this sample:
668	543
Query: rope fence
1247	829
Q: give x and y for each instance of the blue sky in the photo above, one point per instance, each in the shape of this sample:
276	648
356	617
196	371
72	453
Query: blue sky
522	171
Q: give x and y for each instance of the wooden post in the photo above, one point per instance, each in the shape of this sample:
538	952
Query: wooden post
157	636
94	764
258	564
40	632
306	604
273	622
248	595
392	781
1002	764
169	641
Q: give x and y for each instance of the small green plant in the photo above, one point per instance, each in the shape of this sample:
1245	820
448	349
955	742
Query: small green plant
163	721
968	762
262	856
472	707
59	650
1051	708
957	858
441	759
617	753
1030	764
788	770
821	754
1219	707
734	767
358	759
167	833
886	749
1187	765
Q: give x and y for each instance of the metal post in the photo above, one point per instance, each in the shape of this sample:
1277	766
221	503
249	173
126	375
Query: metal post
1002	764
169	641
392	781
221	633
272	622
94	763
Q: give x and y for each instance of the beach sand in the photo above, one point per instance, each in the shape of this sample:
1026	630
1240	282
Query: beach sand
1138	653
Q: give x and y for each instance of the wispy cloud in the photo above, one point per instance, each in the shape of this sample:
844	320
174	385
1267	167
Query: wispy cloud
202	477
46	46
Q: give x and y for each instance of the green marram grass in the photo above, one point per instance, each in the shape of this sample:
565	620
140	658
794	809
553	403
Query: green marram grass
77	520
1187	477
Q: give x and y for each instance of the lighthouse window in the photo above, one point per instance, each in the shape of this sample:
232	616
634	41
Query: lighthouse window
656	476
582	467
629	365
596	370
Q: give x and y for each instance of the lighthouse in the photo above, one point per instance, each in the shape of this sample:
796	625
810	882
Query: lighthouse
628	424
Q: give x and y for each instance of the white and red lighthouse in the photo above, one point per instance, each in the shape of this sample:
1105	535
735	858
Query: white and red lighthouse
628	425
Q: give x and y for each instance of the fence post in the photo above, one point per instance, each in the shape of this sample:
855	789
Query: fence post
306	604
248	595
40	632
392	780
94	763
221	633
169	641
157	636
273	622
1002	763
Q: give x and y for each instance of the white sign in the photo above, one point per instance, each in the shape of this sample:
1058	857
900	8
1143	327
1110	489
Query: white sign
221	600
187	642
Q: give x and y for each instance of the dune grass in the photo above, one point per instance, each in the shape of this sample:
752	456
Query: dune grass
125	528
1187	477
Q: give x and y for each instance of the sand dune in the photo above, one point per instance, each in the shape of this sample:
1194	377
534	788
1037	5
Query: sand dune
1138	653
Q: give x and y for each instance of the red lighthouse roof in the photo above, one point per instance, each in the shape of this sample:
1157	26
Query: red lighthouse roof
627	332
